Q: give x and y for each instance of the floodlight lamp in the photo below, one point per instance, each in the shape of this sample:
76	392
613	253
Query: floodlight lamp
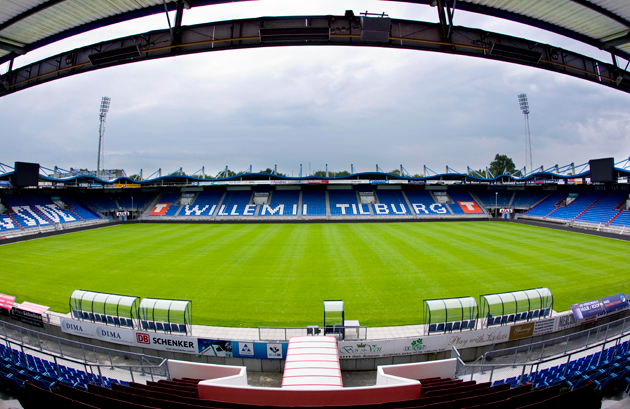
522	101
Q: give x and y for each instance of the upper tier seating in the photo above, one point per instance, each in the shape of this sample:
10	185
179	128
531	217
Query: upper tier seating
604	209
394	201
313	202
546	206
423	203
576	207
282	203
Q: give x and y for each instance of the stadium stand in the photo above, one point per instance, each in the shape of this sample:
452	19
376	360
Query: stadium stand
7	223
282	203
547	206
205	204
82	211
580	205
464	203
494	198
524	199
621	219
607	370
166	205
237	203
394	201
423	203
313	202
17	367
344	203
604	209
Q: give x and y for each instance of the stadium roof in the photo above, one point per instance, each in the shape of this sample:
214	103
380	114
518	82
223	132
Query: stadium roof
26	25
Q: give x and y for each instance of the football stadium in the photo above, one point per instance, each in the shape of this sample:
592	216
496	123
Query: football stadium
486	289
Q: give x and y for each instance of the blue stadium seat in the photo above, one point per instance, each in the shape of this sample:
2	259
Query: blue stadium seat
449	327
472	324
456	325
464	324
432	328
440	327
159	326
182	328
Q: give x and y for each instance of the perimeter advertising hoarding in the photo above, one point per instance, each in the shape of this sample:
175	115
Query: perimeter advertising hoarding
614	302
242	349
586	309
27	317
152	340
423	344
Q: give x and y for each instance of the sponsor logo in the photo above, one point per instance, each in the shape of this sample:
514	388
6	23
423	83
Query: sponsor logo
246	349
521	331
173	343
143	338
470	207
160	209
108	334
74	327
416	346
274	351
359	349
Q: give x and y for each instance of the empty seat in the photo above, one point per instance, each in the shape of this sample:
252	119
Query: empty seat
432	328
456	325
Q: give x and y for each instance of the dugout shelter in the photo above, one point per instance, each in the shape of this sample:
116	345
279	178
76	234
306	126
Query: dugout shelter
450	314
524	305
168	316
103	308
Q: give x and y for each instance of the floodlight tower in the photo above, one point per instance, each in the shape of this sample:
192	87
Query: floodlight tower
101	133
522	101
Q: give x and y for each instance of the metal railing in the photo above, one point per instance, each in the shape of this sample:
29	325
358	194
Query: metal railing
284	333
488	372
97	361
539	351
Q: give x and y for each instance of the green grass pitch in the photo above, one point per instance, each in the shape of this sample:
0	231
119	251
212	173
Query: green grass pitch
254	275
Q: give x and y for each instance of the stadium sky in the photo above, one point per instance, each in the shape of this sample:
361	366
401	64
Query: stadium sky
313	105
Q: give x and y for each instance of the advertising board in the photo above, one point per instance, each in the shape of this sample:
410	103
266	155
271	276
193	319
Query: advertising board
117	335
586	309
614	302
27	317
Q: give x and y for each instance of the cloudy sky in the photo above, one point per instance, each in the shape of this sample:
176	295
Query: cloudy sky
313	105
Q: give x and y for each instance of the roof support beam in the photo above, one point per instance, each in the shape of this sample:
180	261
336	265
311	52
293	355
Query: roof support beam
177	29
404	34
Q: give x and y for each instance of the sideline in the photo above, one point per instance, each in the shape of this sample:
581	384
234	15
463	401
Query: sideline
578	230
56	233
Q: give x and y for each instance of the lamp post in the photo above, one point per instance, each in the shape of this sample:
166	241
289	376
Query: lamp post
132	207
496	201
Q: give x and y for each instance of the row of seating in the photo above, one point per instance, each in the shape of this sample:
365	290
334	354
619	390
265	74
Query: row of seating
520	316
16	368
452	326
436	394
589	207
163	327
341	203
608	370
103	319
